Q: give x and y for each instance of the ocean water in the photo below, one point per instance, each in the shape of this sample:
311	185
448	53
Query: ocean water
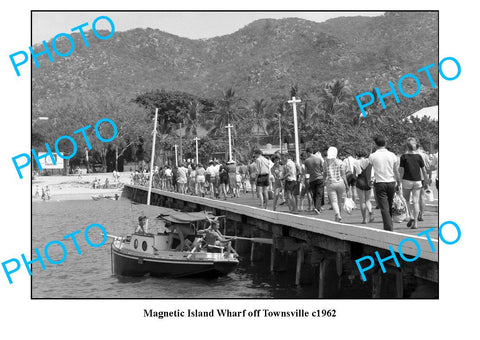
89	275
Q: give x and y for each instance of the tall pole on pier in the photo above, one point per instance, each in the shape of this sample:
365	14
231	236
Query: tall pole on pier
176	157
279	115
196	149
181	149
229	142
294	102
152	158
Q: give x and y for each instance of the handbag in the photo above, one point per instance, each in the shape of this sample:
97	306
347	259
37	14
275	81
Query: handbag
399	208
429	195
349	205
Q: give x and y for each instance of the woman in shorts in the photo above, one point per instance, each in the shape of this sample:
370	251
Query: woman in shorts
277	173
335	180
223	177
200	180
362	170
411	169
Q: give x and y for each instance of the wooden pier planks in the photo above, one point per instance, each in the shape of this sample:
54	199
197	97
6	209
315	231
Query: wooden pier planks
348	232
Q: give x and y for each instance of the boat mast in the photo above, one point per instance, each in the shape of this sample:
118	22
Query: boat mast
153	156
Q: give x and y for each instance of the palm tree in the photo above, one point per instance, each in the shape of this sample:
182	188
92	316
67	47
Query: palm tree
191	118
228	111
258	114
334	98
273	126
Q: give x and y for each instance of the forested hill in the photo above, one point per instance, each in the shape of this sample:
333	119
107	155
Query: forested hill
261	60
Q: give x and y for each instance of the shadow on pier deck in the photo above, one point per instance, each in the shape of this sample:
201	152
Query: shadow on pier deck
324	250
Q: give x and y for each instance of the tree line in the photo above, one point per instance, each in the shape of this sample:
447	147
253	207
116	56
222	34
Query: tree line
327	115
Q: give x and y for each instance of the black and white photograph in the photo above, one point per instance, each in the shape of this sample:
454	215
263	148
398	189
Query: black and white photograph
284	159
238	169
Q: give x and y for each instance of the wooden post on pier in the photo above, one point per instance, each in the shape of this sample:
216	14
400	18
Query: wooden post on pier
321	278
399	283
339	263
298	269
376	284
272	256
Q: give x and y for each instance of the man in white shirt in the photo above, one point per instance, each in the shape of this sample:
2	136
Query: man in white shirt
349	163
290	183
385	164
168	178
182	179
262	166
210	178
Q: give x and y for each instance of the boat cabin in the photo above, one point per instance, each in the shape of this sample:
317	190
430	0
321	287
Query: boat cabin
177	233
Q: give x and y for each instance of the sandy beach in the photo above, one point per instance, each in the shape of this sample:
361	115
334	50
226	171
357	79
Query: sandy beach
74	187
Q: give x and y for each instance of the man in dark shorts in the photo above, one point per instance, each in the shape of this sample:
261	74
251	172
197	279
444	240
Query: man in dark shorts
252	173
243	171
290	178
263	177
349	163
314	168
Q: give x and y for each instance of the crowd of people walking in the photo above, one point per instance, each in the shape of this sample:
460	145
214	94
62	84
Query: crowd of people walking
359	176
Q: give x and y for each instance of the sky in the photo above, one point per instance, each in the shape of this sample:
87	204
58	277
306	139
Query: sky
193	25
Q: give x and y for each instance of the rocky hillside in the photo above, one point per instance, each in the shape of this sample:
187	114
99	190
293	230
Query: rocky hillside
260	60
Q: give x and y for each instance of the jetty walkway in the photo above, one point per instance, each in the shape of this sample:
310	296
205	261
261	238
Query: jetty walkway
316	239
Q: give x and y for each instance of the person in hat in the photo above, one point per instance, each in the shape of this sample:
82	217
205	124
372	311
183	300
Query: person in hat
213	237
232	178
141	227
335	180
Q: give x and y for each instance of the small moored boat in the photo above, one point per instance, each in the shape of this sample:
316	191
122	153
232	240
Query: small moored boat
160	254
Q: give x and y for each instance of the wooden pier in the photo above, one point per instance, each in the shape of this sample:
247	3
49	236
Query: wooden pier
317	242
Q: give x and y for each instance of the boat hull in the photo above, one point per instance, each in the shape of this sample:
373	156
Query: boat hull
128	264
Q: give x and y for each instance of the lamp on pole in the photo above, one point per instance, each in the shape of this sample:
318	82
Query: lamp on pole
294	102
229	142
196	149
